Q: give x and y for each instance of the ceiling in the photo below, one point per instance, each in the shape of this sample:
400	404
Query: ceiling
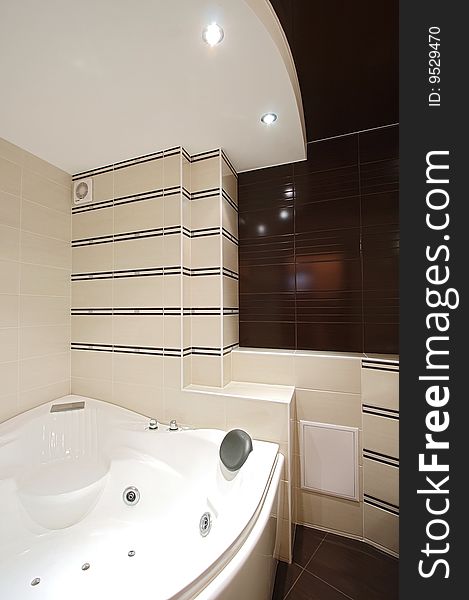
347	58
87	83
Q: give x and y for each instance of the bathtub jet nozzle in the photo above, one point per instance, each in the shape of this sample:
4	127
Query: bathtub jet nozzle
131	495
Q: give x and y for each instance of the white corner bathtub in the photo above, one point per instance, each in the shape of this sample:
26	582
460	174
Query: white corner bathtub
66	532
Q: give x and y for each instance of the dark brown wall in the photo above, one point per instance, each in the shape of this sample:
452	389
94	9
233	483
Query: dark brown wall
346	55
319	248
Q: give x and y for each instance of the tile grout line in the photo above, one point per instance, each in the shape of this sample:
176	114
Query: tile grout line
303	569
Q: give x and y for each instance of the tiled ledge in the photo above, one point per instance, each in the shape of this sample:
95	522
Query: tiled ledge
321	353
282	394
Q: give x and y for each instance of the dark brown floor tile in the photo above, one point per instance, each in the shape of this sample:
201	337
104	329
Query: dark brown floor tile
285	578
309	587
356	569
307	541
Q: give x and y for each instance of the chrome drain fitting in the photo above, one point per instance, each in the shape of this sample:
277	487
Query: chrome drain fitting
131	495
205	524
36	581
85	566
131	553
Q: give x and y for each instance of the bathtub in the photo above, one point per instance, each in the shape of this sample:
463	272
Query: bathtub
68	531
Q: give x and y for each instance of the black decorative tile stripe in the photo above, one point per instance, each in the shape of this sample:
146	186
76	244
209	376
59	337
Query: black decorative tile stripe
155	156
91	347
380	365
381	412
150	195
205	232
90	207
207	193
230	311
380	457
229	273
204	155
103	239
124	237
230	201
229	236
230	348
392	508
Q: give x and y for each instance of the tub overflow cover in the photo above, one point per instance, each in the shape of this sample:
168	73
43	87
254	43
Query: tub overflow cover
235	448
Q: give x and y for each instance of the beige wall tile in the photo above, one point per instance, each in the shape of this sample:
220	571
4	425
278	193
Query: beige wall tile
40	250
229	181
328	373
139	330
139	254
9	277
46	192
94	223
186	370
8	406
340	515
45	169
43	340
45	221
227	372
100	389
43	371
381	434
37	396
172	170
195	409
172	250
138	369
381	481
139	216
260	367
230	330
93	365
143	399
38	280
171	291
11	152
138	291
172	331
93	258
263	420
8	344
205	174
230	255
205	212
8	310
206	252
380	388
186	332
44	310
139	178
206	331
9	209
10	177
230	218
172	210
172	372
93	293
9	377
206	370
103	187
206	291
230	292
92	329
381	527
9	243
329	407
186	173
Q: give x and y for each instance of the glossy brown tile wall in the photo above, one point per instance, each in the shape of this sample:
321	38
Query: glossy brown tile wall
319	248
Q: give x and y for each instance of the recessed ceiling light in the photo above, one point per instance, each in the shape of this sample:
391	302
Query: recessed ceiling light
269	118
213	34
